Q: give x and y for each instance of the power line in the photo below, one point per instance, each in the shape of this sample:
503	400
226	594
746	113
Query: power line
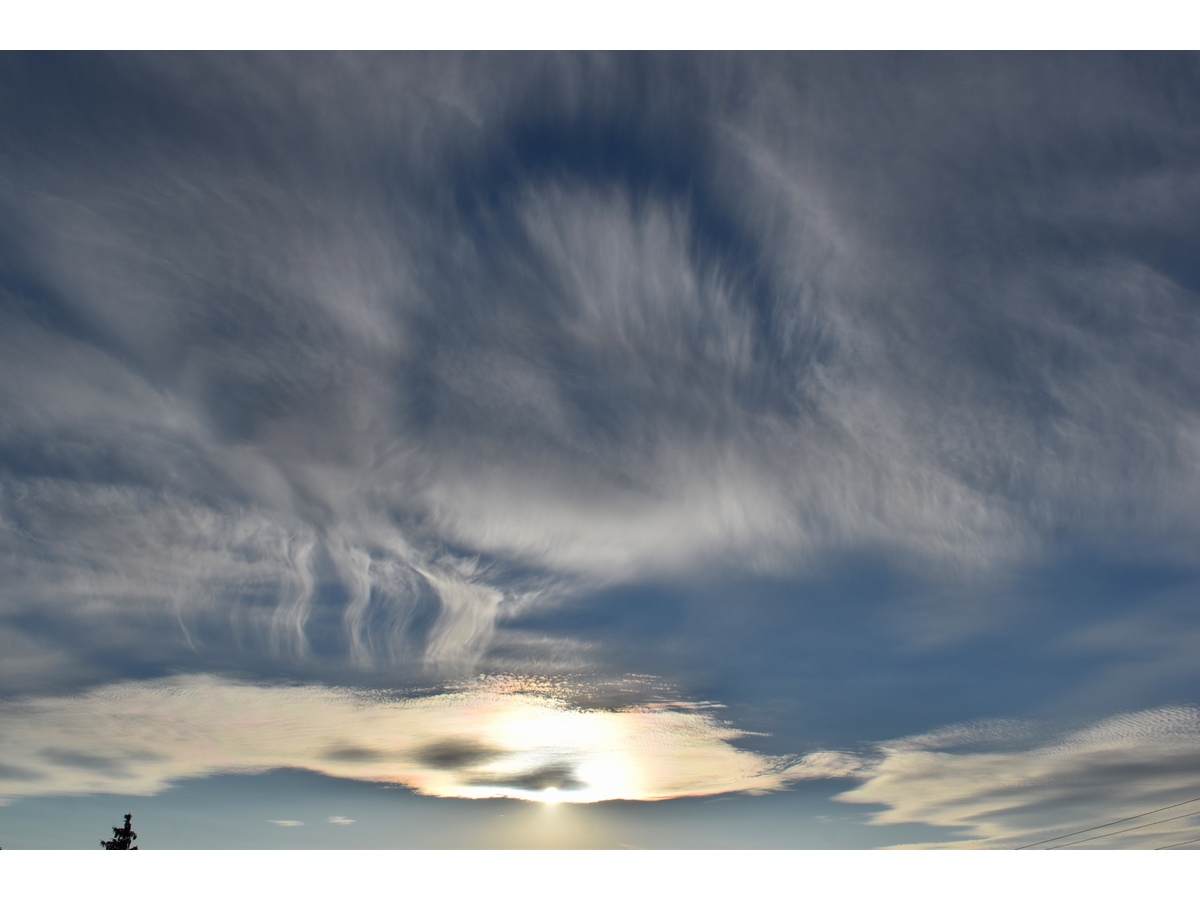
1097	837
1107	824
1180	844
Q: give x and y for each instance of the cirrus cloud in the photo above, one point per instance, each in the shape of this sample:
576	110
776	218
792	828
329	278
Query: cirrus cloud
1007	784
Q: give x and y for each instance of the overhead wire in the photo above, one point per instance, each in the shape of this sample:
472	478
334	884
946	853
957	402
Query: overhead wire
1096	837
1180	844
1107	824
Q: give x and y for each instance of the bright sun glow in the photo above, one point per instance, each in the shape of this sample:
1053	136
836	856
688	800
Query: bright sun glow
503	738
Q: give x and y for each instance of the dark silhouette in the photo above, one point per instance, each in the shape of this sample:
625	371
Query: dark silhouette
122	837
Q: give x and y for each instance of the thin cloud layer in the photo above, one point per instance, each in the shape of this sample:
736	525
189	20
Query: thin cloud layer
997	784
500	737
1009	784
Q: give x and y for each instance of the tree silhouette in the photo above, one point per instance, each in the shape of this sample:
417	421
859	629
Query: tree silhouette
122	837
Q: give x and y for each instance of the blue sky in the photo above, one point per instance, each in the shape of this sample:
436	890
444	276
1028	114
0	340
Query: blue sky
684	450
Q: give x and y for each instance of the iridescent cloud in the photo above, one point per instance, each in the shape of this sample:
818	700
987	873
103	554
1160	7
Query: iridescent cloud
578	740
515	737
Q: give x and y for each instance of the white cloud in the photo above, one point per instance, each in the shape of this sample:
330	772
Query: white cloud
285	823
991	784
1002	784
499	737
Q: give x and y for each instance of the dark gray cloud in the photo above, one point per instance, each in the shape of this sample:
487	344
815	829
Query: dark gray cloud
354	754
461	753
18	773
559	776
112	765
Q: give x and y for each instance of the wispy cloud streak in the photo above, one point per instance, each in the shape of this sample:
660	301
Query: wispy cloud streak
1004	784
356	358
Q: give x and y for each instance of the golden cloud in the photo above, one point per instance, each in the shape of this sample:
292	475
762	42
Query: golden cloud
493	737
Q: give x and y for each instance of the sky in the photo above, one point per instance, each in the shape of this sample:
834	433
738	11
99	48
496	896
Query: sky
651	450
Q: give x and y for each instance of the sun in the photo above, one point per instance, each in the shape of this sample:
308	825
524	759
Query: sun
550	795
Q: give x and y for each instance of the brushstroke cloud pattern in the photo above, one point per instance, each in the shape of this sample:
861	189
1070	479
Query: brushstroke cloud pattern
329	374
243	396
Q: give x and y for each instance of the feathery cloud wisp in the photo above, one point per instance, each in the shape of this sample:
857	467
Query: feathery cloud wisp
1004	784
